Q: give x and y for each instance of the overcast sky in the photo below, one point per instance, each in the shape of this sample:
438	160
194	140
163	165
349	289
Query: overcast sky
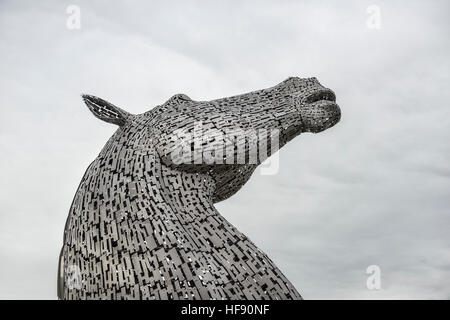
373	190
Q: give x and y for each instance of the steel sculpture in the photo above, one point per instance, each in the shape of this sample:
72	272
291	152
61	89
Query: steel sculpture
143	224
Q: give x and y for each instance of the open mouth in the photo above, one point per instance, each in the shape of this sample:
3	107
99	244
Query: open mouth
321	95
325	101
332	120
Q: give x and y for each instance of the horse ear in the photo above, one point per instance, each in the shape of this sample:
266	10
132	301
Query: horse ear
106	111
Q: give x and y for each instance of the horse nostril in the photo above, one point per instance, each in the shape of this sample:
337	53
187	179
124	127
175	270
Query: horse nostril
321	95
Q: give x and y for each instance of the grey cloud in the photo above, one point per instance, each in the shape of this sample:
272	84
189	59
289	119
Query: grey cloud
372	190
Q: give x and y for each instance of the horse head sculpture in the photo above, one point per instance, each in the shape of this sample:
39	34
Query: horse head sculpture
143	224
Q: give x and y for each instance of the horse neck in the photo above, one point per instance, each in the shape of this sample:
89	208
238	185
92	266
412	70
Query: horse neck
147	186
